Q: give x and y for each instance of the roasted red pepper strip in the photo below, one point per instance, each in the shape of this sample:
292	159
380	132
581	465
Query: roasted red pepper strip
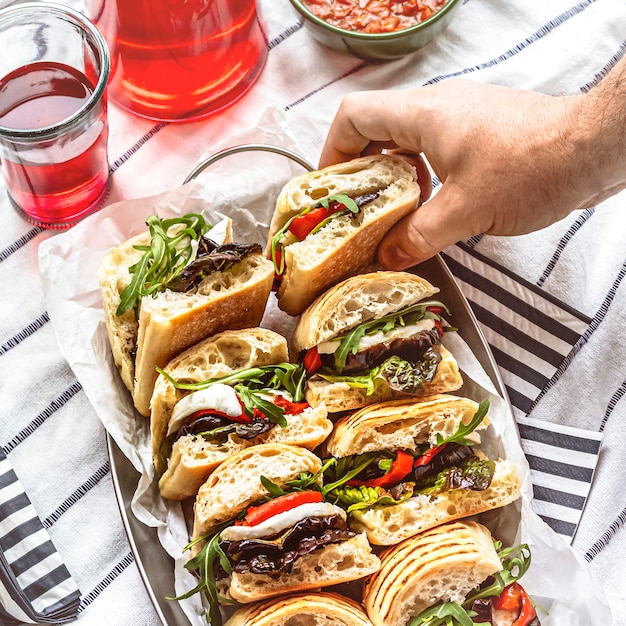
291	408
312	361
241	419
514	598
428	456
258	514
304	224
400	468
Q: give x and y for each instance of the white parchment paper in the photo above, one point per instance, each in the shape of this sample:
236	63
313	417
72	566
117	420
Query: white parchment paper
244	187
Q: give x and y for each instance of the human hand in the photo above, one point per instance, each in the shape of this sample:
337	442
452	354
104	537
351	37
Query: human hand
507	159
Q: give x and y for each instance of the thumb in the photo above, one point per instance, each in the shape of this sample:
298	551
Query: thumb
422	234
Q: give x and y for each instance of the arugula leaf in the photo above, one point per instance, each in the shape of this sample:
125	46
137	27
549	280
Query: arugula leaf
446	614
253	401
363	497
171	249
460	436
342	198
204	564
283	376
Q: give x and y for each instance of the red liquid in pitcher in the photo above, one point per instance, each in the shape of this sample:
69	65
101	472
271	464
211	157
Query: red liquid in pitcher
180	59
63	178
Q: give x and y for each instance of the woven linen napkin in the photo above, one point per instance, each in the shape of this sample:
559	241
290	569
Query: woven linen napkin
531	335
35	585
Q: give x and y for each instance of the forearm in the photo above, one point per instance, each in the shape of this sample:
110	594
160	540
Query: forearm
602	132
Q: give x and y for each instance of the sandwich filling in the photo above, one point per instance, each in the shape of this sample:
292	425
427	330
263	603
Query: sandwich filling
389	477
399	350
245	404
311	220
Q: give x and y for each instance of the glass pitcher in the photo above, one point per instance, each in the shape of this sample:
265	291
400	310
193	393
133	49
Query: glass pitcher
180	60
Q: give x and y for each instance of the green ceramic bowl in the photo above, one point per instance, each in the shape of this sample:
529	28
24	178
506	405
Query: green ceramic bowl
378	46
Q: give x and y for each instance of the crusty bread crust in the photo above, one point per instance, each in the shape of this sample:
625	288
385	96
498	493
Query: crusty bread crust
345	246
401	424
339	396
356	300
389	525
172	322
331	565
236	483
314	609
214	357
193	458
444	563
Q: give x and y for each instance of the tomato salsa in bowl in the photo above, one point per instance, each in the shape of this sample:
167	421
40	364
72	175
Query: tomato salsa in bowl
376	29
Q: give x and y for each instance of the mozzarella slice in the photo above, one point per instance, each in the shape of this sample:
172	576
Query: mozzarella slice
280	522
367	341
218	396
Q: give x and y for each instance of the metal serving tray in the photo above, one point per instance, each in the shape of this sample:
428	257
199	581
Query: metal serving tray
155	566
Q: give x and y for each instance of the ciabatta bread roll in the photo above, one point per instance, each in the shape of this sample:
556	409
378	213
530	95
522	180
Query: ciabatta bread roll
385	190
287	538
186	445
444	563
445	476
408	343
313	609
164	324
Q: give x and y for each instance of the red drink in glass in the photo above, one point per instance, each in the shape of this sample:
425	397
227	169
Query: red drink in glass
179	60
53	113
36	96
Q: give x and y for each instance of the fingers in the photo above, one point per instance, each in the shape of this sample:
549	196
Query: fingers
423	234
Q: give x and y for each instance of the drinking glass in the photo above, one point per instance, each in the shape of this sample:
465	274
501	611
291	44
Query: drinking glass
180	60
53	113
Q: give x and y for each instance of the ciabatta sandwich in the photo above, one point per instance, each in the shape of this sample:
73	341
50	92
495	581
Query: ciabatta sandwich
375	337
408	465
328	223
172	286
452	574
314	609
262	515
233	390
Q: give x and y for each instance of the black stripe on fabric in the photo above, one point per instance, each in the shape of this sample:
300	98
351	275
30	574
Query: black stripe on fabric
519	400
560	526
517	367
522	281
354	70
518	337
89	484
18	244
558	468
138	144
32	557
105	582
26	332
472	242
606	537
8	478
615	398
26	529
559	440
519	306
54	406
606	69
546	29
13	505
569	500
584	338
580	221
285	34
45	583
